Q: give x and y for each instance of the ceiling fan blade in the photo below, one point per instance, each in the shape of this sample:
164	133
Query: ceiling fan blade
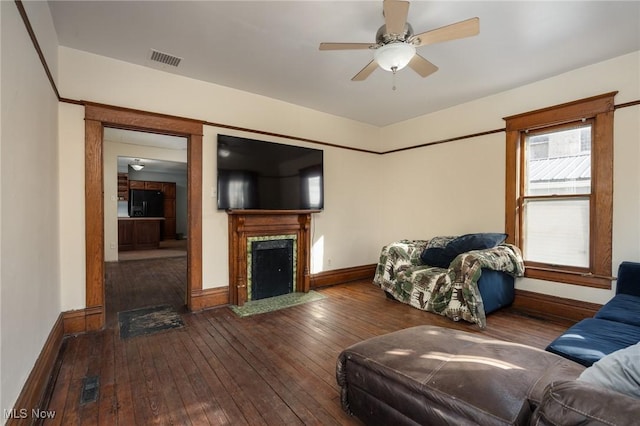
422	66
366	71
461	29
395	15
345	46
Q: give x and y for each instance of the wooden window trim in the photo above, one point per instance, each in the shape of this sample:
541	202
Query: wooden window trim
599	109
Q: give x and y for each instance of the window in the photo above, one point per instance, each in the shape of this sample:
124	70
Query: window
559	190
311	188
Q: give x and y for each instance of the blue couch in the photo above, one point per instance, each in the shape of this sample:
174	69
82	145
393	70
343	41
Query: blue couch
615	326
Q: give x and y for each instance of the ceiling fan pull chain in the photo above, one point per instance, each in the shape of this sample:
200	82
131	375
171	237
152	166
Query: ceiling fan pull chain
394	70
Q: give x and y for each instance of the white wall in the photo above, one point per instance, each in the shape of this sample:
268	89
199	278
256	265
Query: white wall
458	187
29	262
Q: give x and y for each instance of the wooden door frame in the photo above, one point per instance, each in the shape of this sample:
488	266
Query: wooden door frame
97	116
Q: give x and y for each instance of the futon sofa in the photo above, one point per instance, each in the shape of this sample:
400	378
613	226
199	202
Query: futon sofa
615	326
460	277
439	376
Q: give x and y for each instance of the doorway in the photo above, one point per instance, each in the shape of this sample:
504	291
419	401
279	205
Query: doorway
97	118
145	221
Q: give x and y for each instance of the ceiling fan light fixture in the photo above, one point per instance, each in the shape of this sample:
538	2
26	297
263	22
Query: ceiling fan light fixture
136	165
394	56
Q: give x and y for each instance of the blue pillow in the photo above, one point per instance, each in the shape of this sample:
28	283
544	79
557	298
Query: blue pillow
436	256
443	256
479	241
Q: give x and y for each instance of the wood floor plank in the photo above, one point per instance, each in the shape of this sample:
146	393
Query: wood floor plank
212	388
235	397
107	396
89	411
269	369
140	402
148	351
57	402
123	393
272	408
287	372
176	411
72	408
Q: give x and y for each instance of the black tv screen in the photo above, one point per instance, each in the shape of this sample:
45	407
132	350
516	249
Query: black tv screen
261	175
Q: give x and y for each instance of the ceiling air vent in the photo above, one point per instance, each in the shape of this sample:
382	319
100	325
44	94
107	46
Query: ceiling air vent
165	58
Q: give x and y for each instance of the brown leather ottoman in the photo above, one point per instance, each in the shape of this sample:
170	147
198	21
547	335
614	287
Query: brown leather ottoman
439	376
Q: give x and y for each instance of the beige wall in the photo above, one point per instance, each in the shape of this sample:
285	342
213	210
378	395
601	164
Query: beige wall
71	202
370	200
29	233
345	229
458	187
349	193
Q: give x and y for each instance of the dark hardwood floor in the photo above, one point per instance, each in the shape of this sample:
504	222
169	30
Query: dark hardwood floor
275	368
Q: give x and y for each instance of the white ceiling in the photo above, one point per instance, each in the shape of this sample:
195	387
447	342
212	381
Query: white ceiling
271	47
150	140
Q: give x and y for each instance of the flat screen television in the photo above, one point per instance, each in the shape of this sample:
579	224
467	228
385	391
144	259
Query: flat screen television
260	175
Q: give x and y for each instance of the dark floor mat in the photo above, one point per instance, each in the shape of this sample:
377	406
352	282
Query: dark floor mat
144	321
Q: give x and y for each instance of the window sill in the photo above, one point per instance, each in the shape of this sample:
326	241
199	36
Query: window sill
569	277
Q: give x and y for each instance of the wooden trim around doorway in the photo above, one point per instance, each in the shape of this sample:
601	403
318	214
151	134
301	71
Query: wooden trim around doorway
97	117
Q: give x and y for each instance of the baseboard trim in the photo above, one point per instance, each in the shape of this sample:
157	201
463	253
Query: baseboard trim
345	275
74	322
219	296
209	298
548	306
82	320
33	392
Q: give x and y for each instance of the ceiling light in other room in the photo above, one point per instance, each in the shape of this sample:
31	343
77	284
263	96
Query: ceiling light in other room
223	150
136	165
394	56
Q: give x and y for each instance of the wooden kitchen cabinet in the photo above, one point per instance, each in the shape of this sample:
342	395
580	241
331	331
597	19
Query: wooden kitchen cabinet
139	233
156	186
169	189
125	235
123	186
136	184
169	208
168	229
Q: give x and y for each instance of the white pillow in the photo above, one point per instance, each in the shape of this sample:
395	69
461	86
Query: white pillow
619	371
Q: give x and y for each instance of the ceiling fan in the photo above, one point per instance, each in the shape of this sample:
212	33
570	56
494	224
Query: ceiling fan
395	45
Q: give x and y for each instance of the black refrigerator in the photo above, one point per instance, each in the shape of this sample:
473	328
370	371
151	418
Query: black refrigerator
146	203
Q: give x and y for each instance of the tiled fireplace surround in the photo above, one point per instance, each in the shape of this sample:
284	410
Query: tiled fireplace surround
246	226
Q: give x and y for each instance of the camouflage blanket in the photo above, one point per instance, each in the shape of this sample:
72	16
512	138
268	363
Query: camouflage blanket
449	292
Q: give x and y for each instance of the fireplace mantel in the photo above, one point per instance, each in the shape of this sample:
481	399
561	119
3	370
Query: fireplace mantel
256	223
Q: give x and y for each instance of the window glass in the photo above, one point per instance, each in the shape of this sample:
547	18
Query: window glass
556	231
315	191
558	162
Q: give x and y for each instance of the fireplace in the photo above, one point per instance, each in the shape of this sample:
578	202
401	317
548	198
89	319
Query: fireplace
263	237
271	266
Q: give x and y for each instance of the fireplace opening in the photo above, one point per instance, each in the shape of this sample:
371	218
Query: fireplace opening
272	268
